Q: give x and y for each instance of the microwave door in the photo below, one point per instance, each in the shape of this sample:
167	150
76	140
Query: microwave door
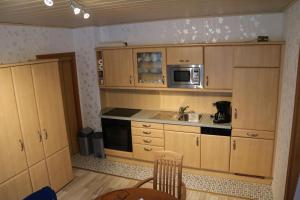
182	76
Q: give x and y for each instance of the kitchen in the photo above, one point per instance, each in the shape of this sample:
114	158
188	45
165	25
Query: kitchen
214	90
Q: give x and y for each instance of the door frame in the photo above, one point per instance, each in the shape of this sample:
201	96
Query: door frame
294	155
74	78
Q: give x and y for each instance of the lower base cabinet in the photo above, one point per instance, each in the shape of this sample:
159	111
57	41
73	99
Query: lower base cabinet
215	152
145	152
39	176
251	156
17	187
187	144
60	169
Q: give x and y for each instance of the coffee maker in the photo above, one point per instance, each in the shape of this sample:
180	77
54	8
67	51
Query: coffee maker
223	114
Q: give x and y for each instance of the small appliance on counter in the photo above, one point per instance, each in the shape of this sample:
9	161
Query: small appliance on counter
223	114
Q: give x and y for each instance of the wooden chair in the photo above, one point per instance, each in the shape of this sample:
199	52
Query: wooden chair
167	175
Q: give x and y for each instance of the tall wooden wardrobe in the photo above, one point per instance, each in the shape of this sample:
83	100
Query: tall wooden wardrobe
34	150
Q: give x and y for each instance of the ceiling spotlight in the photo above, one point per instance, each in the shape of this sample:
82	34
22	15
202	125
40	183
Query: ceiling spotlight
76	10
86	15
48	2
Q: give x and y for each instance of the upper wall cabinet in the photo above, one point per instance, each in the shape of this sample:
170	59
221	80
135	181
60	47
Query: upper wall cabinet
150	67
184	55
218	67
118	67
257	56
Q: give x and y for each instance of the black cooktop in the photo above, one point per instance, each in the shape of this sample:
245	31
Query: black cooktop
122	112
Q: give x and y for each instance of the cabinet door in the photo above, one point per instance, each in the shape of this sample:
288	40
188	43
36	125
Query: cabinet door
118	67
218	67
145	152
257	56
28	114
215	152
184	55
50	106
187	144
255	93
60	169
16	188
251	156
12	154
39	176
150	67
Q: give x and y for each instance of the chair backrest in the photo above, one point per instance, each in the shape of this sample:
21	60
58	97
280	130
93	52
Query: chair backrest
167	176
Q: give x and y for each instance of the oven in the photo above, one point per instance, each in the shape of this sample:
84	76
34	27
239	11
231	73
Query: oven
185	76
117	134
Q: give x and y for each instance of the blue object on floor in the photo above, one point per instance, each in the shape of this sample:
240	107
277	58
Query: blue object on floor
45	193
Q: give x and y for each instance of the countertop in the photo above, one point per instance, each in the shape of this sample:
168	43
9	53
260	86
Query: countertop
148	115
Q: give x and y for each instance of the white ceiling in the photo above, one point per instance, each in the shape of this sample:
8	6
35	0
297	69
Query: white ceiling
107	12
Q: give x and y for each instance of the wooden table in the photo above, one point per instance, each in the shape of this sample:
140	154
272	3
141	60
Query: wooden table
136	194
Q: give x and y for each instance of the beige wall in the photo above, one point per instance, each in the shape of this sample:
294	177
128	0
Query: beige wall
162	100
292	38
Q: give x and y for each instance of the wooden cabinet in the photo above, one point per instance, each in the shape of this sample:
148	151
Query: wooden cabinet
215	152
50	106
218	67
39	176
59	171
184	55
118	68
16	188
145	152
257	56
12	153
150	67
187	144
28	113
254	100
251	156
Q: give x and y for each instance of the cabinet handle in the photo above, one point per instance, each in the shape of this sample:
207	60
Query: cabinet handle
147	149
197	141
235	113
181	60
46	134
130	79
21	145
163	79
206	80
252	134
187	60
147	132
40	135
146	126
234	145
147	141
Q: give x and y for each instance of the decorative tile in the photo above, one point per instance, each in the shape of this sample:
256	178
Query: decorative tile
212	184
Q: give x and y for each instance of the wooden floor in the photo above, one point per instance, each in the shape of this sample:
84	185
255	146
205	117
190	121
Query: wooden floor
88	185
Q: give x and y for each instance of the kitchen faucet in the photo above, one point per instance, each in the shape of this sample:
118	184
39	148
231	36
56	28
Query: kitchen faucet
181	111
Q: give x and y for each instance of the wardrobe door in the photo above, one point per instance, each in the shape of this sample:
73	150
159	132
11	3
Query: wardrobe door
12	152
50	106
39	176
28	113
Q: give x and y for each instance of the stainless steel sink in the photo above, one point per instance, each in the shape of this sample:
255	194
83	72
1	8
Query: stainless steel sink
174	116
190	117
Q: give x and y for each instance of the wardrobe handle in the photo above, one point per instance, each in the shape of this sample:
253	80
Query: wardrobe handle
187	60
46	134
40	135
234	145
163	79
181	60
235	113
130	81
197	141
21	145
206	80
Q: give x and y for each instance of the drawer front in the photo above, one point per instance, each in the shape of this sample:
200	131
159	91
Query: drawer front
145	152
147	132
148	141
179	128
253	134
146	125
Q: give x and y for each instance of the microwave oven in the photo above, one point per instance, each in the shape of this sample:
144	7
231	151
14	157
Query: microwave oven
185	76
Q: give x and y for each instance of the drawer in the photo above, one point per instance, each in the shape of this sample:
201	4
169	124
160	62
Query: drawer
147	132
253	134
145	152
146	125
148	141
179	128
